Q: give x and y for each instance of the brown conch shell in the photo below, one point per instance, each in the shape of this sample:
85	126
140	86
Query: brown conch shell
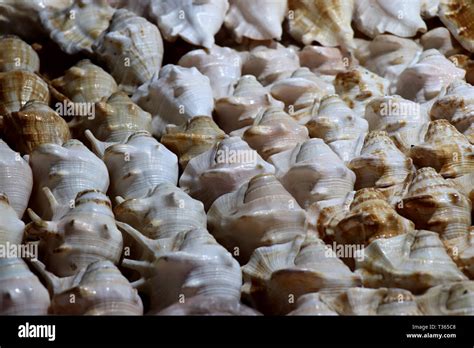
458	16
15	54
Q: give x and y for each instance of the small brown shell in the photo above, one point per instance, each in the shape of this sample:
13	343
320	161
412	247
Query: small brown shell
15	54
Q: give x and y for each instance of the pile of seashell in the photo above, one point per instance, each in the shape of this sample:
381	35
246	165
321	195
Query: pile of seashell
179	157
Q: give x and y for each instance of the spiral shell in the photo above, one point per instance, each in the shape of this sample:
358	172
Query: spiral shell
11	227
458	16
15	54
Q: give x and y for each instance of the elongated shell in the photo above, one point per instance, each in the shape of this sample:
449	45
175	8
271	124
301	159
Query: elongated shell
240	109
327	22
429	77
312	172
260	213
414	261
382	165
138	165
339	127
75	28
15	54
16	178
188	264
19	87
323	60
86	83
444	149
163	213
11	227
260	20
274	131
222	169
85	234
35	124
198	135
401	18
222	65
448	299
278	274
65	170
131	48
175	95
194	21
458	17
370	218
21	291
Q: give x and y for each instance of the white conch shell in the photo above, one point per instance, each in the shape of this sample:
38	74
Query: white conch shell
273	131
325	21
65	170
249	99
312	172
131	48
277	273
222	65
339	126
21	291
85	234
163	213
269	64
457	106
458	16
429	8
301	92
440	38
401	18
259	213
98	289
370	218
445	149
194	21
323	60
428	78
16	178
311	304
358	86
15	54
222	169
11	227
75	28
382	165
198	135
188	264
256	20
404	121
86	83
138	165
175	95
414	261
388	56
448	299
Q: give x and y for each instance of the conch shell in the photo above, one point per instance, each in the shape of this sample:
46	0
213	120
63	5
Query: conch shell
259	213
85	234
75	28
138	165
21	291
415	261
131	48
326	21
222	65
11	227
16	178
35	124
276	276
256	20
401	18
15	54
312	172
448	299
222	169
458	16
198	135
195	22
440	38
274	131
188	264
311	304
65	171
249	99
175	95
339	126
324	60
